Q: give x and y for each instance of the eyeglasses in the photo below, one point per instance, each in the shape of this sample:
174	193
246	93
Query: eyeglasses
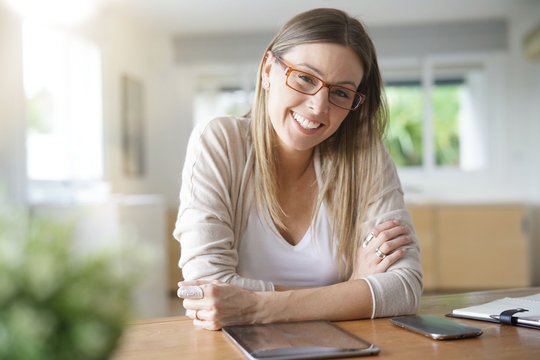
309	84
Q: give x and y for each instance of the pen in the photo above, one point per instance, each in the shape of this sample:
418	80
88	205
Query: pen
530	322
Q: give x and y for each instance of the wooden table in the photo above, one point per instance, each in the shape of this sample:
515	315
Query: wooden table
176	338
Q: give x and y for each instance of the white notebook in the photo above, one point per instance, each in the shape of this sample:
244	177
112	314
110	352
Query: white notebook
487	310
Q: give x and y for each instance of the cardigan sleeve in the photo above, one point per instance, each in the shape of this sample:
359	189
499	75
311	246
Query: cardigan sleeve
209	197
398	290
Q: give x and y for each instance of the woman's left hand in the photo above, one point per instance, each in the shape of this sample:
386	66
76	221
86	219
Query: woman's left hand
381	248
221	304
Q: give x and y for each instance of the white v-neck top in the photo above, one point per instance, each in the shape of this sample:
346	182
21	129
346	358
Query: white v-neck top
264	254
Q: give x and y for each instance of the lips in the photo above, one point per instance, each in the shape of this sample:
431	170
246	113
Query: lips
305	123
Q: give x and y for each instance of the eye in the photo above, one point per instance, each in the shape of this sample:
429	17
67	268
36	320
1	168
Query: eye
306	78
341	93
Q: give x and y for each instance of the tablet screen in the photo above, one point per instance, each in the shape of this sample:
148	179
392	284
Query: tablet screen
298	340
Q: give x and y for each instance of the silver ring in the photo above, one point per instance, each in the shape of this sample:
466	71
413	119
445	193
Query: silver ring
369	237
380	254
190	292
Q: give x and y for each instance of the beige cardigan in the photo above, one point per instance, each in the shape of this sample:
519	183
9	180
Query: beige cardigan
215	200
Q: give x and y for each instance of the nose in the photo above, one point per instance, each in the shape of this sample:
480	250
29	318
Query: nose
318	103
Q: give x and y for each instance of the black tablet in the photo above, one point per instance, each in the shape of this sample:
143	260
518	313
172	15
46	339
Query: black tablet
298	340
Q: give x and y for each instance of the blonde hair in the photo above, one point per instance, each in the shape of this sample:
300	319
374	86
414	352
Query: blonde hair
351	157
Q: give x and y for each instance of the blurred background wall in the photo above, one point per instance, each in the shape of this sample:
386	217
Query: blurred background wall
96	107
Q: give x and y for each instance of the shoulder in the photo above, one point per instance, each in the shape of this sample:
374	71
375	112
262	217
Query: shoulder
388	166
388	180
223	140
223	129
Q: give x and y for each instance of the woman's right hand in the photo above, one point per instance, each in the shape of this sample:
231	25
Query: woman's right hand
218	304
381	248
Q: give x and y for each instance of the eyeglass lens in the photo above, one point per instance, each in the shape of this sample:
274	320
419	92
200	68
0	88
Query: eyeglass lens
309	84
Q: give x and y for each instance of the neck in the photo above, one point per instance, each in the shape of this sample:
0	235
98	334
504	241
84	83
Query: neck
293	165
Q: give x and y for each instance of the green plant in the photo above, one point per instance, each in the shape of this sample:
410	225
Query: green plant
404	138
446	102
55	303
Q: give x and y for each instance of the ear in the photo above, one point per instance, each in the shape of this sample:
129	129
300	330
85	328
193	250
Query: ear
269	60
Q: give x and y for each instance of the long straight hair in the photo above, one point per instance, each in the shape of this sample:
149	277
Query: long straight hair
351	157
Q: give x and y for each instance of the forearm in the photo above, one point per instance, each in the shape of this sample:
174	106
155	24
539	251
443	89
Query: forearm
343	301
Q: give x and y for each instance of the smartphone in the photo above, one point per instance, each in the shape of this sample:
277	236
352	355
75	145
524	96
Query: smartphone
436	327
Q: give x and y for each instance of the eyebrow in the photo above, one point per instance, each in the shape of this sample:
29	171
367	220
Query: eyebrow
346	82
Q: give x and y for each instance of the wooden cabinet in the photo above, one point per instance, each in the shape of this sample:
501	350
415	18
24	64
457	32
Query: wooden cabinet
473	246
424	224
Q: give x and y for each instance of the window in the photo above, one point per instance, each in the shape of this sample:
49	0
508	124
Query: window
225	101
437	114
438	108
62	84
447	98
404	138
223	91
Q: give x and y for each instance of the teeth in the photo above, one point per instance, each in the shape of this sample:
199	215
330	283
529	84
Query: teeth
305	123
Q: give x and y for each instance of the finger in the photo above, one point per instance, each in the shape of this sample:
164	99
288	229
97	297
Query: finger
370	236
190	313
381	255
391	233
199	321
200	315
377	229
190	304
207	325
194	282
194	304
204	319
390	259
394	244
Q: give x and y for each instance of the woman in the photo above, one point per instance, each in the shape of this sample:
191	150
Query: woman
296	211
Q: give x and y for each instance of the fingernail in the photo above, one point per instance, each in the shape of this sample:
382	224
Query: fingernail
396	222
190	292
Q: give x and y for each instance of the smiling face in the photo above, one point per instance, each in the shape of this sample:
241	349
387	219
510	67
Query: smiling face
304	121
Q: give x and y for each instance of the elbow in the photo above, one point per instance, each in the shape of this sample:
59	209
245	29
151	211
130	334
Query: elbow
413	285
397	292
